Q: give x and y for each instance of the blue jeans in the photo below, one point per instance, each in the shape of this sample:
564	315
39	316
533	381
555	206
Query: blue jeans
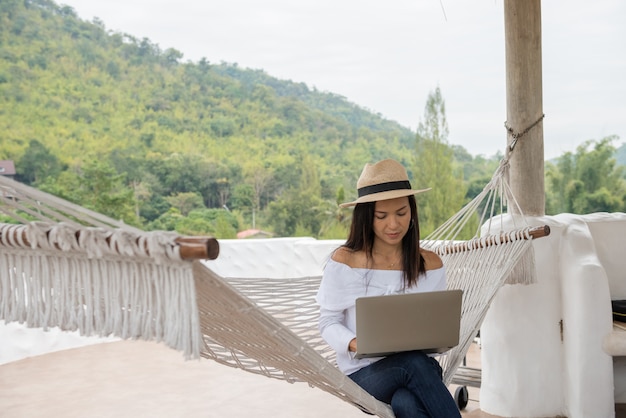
411	383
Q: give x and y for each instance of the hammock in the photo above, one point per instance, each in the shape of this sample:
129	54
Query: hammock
80	270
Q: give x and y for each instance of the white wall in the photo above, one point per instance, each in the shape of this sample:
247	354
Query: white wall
526	350
531	368
272	257
18	342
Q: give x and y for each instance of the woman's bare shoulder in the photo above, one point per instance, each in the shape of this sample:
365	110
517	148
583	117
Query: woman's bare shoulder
354	259
431	259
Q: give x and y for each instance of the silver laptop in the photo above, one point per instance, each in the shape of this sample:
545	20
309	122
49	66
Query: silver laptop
412	321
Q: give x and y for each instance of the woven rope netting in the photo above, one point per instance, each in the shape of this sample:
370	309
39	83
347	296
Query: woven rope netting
76	269
269	327
480	266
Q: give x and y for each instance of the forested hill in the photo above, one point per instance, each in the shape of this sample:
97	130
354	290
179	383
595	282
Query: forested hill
117	125
84	92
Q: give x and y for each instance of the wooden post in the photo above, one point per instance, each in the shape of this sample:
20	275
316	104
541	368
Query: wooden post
524	104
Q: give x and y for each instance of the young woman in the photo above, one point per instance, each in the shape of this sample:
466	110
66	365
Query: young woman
382	255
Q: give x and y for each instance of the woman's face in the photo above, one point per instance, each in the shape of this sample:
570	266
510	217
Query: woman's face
392	219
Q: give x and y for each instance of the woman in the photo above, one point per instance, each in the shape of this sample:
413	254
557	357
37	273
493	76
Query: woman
382	256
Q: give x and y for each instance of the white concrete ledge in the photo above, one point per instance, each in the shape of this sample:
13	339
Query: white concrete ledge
614	343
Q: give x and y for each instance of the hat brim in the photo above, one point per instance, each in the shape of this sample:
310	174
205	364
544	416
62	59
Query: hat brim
390	194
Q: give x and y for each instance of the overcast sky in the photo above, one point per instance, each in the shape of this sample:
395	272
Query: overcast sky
387	56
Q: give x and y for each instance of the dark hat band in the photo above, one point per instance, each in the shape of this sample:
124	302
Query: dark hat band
384	187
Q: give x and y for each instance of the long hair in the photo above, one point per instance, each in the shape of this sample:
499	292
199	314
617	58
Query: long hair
361	238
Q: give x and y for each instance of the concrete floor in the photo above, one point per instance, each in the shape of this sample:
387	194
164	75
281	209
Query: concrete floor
140	379
472	409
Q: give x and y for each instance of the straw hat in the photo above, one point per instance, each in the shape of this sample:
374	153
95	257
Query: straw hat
387	179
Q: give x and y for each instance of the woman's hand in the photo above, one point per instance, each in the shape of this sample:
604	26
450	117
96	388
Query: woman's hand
352	345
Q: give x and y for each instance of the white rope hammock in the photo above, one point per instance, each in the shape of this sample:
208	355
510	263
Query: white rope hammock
79	270
483	264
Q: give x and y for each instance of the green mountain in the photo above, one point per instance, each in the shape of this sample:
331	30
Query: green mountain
84	92
117	125
78	102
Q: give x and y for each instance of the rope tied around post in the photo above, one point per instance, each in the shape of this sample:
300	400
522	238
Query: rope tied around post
517	135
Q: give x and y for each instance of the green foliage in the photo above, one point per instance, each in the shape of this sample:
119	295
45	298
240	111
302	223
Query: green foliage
587	181
295	210
335	231
115	124
185	202
335	221
37	163
71	92
9	220
436	167
218	223
167	221
95	186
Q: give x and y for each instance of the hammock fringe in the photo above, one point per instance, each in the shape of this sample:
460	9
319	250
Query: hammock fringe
524	272
98	282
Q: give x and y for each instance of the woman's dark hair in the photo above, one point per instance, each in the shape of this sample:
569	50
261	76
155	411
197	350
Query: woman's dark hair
361	238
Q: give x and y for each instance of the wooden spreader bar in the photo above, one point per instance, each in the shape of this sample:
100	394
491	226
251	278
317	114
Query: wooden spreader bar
190	247
533	233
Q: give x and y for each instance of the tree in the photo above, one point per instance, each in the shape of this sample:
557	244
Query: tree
96	186
37	163
258	177
185	202
587	181
218	223
296	211
242	202
435	167
300	210
172	56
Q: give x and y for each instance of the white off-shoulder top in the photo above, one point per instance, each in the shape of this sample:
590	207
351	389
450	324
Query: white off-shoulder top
340	287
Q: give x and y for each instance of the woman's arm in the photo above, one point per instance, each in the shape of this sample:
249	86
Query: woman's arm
337	294
334	332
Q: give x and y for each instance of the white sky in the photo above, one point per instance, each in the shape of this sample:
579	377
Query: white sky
387	56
